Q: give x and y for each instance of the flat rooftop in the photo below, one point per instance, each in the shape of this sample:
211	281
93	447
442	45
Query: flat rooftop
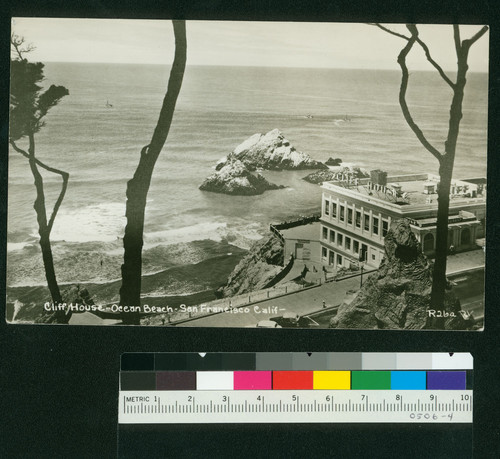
309	232
416	189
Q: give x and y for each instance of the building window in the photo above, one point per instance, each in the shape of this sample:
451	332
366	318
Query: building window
373	256
334	210
339	239
375	225
358	219
327	207
364	253
428	242
349	216
355	246
465	237
339	260
332	236
331	259
323	252
342	213
385	227
347	243
367	222
325	233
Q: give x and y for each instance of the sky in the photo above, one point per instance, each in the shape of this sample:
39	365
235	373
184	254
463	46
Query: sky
270	44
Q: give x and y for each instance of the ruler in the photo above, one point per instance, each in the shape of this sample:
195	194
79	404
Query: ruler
297	406
223	388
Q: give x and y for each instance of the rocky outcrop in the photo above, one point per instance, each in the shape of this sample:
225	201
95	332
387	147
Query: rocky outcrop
321	176
236	179
35	312
333	162
270	151
398	295
262	263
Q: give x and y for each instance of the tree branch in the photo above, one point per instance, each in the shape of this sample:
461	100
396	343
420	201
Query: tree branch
173	88
426	51
65	178
17	42
468	43
385	29
456	38
402	94
434	63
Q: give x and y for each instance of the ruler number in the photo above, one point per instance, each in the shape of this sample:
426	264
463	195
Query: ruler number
465	397
224	398
190	398
398	397
432	397
363	396
294	398
328	398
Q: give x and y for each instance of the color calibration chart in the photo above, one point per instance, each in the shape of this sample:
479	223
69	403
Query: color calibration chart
199	388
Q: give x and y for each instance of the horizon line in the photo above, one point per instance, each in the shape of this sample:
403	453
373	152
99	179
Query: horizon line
256	66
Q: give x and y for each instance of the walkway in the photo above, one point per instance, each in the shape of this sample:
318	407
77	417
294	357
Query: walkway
465	261
302	302
314	273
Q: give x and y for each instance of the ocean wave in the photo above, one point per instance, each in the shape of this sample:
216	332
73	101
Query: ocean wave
244	234
198	232
101	222
241	234
100	262
14	246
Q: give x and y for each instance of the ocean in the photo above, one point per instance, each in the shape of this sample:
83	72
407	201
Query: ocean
348	114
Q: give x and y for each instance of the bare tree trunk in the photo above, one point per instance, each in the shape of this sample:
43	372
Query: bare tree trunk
446	162
447	159
138	186
44	231
439	273
45	228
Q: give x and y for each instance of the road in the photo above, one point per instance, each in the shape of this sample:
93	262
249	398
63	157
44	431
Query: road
302	302
469	289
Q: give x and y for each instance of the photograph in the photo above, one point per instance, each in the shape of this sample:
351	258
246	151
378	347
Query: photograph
319	175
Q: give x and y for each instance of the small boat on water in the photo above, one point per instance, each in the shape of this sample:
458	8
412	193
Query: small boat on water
108	105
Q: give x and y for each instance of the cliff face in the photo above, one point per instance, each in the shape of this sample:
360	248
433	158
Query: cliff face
398	296
263	262
236	179
270	151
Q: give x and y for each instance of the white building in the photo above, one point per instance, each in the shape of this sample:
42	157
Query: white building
357	213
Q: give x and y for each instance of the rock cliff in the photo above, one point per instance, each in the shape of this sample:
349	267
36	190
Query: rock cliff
236	179
270	151
263	262
398	295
